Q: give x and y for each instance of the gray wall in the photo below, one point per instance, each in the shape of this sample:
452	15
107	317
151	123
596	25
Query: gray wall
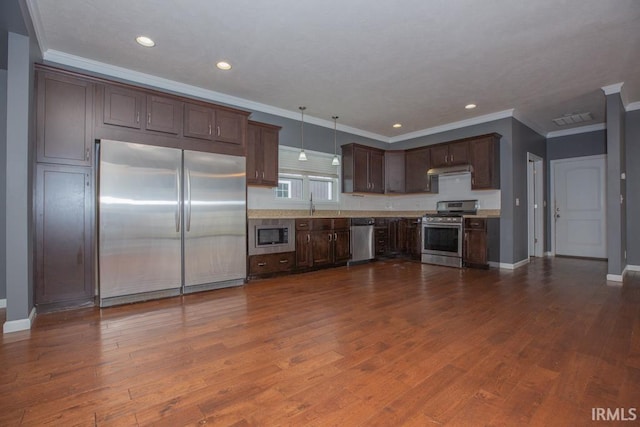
526	140
316	138
616	212
18	261
3	182
566	147
632	140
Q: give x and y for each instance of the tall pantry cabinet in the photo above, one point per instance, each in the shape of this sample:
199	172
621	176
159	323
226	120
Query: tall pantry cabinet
63	191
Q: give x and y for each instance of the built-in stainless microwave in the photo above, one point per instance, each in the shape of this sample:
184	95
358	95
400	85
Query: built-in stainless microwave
268	236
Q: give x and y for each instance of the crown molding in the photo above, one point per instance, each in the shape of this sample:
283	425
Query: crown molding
527	123
633	106
611	89
577	130
182	88
36	21
452	126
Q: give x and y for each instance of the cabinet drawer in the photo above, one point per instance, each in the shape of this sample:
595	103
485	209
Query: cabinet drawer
271	263
303	224
475	223
341	223
322	224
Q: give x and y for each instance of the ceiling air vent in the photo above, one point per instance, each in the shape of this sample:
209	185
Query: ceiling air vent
572	119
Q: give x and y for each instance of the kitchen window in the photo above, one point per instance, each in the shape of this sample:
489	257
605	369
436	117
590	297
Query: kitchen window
299	181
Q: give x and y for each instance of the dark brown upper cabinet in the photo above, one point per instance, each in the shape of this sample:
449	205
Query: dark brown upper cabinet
214	124
418	162
64	119
362	169
450	154
262	154
198	121
230	127
394	171
123	107
484	157
164	115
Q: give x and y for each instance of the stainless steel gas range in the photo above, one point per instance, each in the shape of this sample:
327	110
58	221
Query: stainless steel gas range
442	232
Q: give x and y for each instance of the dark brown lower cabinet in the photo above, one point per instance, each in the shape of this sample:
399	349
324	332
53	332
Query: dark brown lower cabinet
474	251
64	224
271	264
322	242
409	237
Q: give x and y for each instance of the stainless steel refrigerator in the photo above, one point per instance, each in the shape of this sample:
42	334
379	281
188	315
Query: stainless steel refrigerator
171	222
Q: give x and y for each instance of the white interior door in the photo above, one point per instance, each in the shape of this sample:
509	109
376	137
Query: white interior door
535	201
579	207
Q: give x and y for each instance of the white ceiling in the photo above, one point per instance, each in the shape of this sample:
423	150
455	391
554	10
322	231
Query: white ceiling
417	62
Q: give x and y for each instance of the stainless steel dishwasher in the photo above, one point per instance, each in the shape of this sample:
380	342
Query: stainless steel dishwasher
362	243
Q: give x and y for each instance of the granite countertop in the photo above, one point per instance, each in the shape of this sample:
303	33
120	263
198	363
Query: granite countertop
304	213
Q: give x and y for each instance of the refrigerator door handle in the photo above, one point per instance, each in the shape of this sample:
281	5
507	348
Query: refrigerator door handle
188	201
177	215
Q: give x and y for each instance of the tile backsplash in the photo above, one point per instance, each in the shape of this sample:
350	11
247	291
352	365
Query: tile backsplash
451	187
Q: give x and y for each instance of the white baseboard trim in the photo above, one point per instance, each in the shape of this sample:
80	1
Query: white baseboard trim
3	303
549	254
506	266
615	278
633	268
20	324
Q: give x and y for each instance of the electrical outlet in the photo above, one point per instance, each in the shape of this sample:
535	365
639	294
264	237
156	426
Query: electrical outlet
517	201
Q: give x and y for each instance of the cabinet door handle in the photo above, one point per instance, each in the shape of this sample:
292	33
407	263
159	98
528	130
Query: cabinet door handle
304	224
308	238
87	153
452	158
256	174
335	236
209	128
284	261
217	130
148	118
137	116
262	264
262	174
330	236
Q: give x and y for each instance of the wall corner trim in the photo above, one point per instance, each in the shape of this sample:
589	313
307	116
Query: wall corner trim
507	266
611	89
618	278
3	303
20	324
633	106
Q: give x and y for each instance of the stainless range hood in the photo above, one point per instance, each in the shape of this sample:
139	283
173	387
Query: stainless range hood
450	170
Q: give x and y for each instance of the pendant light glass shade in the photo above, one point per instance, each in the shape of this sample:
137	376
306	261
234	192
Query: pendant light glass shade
302	157
336	160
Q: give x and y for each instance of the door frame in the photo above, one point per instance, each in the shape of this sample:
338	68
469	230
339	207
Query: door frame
535	205
552	191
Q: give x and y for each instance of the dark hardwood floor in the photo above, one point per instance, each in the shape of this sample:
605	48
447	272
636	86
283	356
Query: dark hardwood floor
384	344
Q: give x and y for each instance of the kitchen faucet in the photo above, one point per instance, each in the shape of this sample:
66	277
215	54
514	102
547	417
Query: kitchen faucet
312	208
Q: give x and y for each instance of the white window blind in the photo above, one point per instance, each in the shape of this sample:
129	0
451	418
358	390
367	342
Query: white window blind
317	163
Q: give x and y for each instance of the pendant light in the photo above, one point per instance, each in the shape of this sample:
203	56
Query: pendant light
336	160
302	157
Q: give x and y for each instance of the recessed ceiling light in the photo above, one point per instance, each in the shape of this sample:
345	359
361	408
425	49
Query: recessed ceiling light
470	106
223	65
145	41
397	125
